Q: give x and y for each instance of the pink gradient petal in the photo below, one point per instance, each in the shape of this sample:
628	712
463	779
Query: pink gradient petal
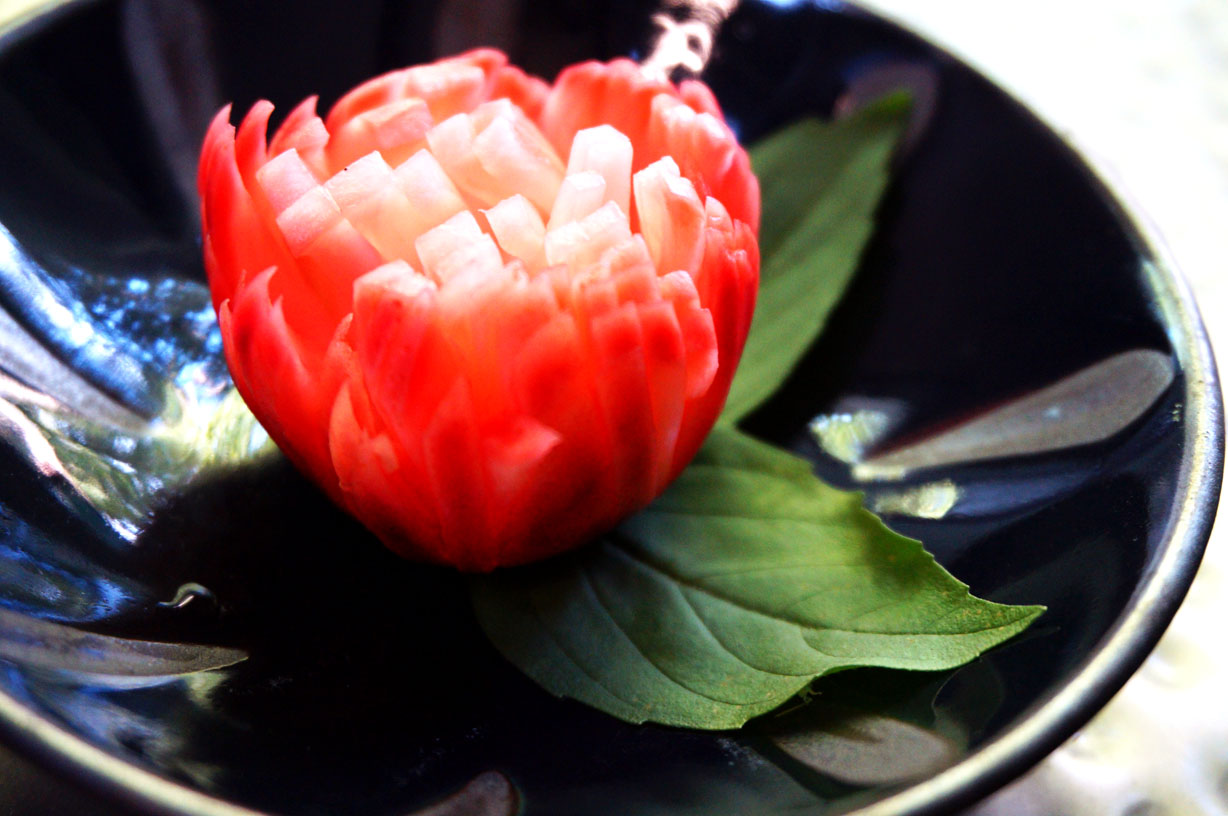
485	353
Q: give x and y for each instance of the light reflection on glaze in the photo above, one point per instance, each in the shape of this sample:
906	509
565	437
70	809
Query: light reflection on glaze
113	719
125	334
1086	407
114	662
990	496
53	580
160	327
121	475
827	5
929	501
48	308
115	392
846	436
190	593
871	749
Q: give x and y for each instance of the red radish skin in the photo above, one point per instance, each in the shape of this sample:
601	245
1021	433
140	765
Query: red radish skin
489	316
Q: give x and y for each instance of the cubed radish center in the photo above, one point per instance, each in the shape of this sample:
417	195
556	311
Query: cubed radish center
458	246
518	228
580	194
581	243
606	151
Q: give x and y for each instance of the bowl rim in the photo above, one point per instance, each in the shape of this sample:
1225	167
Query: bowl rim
1038	730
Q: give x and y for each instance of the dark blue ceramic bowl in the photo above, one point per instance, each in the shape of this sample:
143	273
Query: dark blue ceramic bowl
230	644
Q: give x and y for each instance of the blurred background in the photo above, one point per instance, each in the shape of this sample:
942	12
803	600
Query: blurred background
1141	89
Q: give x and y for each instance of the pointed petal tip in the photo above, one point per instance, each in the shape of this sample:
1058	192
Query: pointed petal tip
480	90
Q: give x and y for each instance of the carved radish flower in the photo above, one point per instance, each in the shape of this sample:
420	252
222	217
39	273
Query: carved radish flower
489	316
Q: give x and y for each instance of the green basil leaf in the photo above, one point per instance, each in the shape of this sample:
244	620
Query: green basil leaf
743	582
821	183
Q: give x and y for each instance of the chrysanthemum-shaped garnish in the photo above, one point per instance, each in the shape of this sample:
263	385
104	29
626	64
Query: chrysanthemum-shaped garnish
489	316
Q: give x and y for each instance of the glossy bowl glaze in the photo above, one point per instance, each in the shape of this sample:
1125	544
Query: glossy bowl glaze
190	638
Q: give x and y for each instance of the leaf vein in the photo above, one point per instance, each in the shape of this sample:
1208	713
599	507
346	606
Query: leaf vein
715	636
730	514
733	601
588	580
567	653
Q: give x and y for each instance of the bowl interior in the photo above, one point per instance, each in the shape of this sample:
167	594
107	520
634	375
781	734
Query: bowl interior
998	267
